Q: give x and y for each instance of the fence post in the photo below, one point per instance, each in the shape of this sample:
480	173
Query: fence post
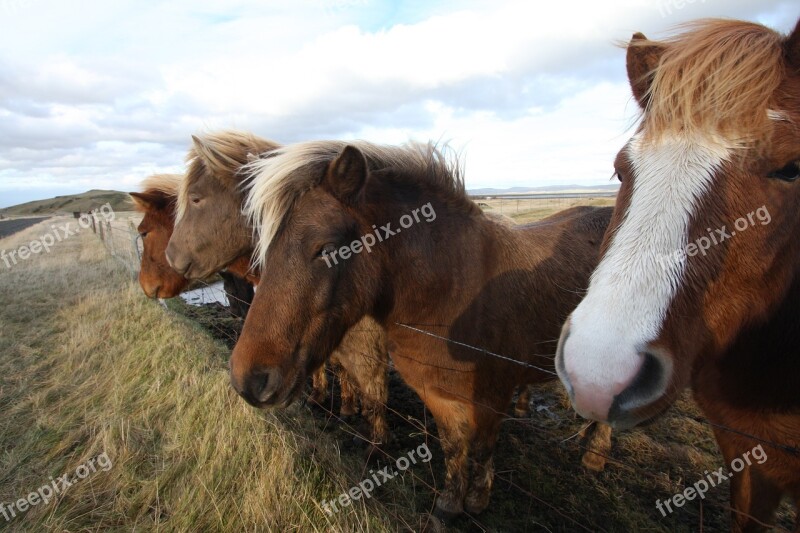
102	230
135	240
110	239
94	228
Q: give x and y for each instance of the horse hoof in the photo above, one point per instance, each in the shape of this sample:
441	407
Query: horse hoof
593	462
433	524
347	411
373	454
442	516
318	398
476	503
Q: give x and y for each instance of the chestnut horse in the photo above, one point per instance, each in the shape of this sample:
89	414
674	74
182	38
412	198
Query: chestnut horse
326	214
211	234
157	203
699	279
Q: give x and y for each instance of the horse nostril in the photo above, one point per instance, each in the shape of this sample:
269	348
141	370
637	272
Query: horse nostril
648	386
258	386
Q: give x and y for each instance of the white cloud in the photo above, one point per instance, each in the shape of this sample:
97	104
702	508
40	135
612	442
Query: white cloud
533	92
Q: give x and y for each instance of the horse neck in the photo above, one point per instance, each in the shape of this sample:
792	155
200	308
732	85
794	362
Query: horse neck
760	369
451	259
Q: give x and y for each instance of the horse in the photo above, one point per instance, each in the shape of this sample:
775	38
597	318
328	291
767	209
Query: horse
456	290
211	234
698	280
157	202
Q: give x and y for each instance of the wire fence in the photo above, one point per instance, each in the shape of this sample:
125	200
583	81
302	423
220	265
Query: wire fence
123	242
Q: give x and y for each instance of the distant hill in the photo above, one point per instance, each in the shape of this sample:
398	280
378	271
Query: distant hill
612	187
83	202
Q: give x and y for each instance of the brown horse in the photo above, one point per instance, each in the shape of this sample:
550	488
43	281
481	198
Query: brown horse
157	202
354	230
211	234
698	282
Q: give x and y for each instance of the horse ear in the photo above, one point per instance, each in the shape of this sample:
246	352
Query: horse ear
641	61
218	163
140	201
144	201
792	47
347	174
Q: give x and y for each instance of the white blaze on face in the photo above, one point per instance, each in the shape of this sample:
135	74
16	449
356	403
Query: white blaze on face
631	289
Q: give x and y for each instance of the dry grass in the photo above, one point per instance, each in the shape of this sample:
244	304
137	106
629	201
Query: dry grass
89	366
532	209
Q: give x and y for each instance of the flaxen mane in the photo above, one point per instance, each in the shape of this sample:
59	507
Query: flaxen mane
161	184
716	78
276	181
221	154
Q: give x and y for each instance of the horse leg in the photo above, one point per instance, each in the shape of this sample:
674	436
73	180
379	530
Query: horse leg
375	394
319	384
453	423
522	408
754	497
482	462
598	444
349	392
754	500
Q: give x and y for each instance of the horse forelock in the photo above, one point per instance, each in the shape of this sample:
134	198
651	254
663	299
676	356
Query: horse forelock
275	182
717	78
164	185
231	148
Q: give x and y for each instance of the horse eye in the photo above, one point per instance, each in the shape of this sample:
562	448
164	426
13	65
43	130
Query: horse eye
196	200
788	173
143	234
326	250
617	175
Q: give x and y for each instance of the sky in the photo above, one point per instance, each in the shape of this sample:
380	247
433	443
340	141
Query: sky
101	94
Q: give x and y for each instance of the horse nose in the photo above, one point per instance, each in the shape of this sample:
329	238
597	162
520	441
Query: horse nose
150	290
258	387
179	264
647	387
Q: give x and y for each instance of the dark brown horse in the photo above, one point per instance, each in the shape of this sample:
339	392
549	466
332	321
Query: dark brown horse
354	230
211	234
698	283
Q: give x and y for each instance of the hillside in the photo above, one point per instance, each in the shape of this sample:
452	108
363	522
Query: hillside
83	202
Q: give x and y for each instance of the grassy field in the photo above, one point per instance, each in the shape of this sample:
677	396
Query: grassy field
89	366
529	210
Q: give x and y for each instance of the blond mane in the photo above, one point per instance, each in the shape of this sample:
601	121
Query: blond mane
278	180
220	155
162	184
718	77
